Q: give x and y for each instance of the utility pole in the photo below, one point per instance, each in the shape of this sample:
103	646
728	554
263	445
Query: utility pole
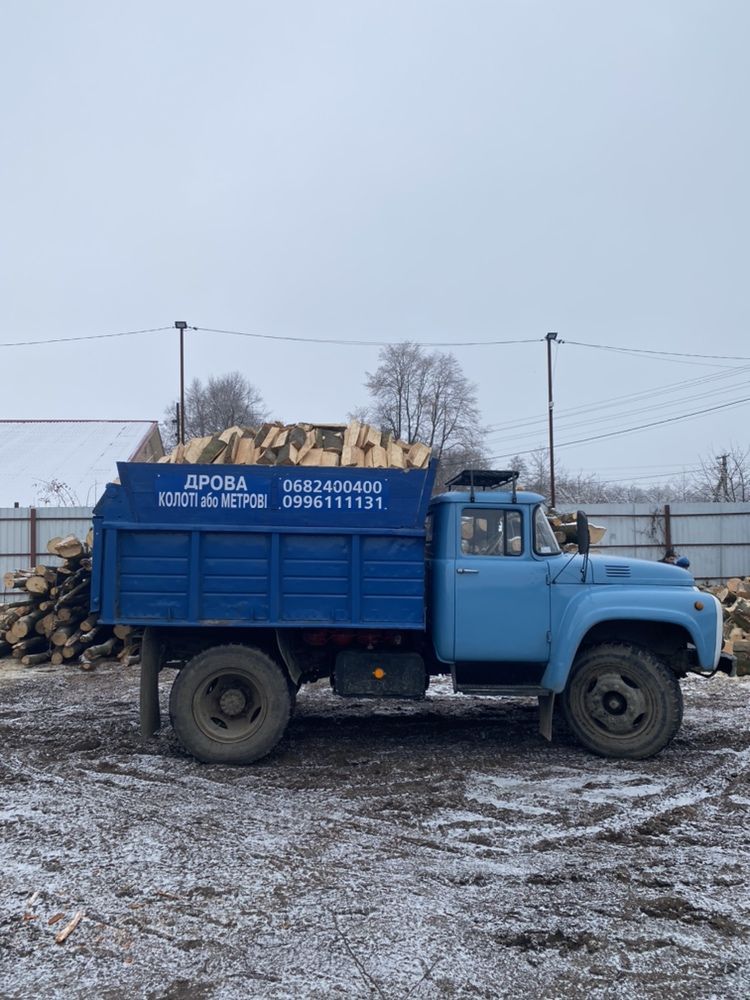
550	405
723	477
181	325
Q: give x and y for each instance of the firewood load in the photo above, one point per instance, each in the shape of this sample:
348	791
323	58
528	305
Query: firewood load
734	598
353	446
50	621
565	527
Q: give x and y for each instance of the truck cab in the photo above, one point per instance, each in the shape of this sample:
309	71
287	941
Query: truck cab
511	614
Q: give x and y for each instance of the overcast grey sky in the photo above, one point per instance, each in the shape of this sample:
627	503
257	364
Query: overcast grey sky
438	171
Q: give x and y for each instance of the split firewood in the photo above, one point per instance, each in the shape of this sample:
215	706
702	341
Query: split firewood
302	444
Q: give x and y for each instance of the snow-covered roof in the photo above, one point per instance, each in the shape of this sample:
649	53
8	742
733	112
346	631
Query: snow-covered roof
67	462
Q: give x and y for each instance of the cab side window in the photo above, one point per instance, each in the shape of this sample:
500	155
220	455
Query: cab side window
490	532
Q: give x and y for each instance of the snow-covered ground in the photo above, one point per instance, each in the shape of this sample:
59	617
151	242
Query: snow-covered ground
385	850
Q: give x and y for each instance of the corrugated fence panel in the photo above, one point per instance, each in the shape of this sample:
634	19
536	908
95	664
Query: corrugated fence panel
714	536
48	522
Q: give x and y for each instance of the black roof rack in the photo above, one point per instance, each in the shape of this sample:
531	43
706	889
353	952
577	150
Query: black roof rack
484	479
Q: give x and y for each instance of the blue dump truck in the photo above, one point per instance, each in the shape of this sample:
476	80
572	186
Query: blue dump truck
254	580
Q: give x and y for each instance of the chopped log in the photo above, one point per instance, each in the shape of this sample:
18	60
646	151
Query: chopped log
37	585
88	637
25	626
69	547
72	596
88	623
52	543
31	659
61	635
16	579
72	613
47	624
34	645
100	651
48	572
57	658
739	612
71	652
122	631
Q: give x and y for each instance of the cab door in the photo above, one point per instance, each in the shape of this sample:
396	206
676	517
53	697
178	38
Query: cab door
502	597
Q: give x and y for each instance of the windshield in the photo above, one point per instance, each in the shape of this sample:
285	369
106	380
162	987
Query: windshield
545	543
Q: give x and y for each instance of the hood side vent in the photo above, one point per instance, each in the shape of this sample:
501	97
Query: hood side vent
617	571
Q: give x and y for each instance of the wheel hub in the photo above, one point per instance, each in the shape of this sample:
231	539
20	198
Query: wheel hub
615	704
232	702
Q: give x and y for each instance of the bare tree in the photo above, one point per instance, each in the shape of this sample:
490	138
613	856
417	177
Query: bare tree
424	396
223	401
724	477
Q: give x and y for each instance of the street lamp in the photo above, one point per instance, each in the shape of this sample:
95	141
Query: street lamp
181	325
549	338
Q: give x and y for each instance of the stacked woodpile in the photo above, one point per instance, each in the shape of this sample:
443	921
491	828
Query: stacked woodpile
50	623
735	602
353	445
565	528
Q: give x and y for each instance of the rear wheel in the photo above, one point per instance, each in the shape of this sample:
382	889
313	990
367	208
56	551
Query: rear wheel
230	705
622	701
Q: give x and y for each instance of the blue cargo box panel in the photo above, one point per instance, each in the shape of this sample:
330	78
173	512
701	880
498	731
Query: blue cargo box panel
264	562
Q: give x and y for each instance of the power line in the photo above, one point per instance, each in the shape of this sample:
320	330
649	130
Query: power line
641	427
664	354
368	343
93	336
658	393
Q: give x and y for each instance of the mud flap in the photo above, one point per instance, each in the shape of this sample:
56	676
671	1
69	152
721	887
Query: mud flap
546	705
151	656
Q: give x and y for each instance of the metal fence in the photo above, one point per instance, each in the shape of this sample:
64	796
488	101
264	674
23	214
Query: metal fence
25	531
714	536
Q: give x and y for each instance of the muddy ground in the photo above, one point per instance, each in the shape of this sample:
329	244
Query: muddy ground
434	849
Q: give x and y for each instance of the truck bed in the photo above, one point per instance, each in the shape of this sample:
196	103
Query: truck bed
262	546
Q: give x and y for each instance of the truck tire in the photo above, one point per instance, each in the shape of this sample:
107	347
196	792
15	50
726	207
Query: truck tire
230	705
622	701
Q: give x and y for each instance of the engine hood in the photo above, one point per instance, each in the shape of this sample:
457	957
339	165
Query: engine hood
616	569
621	572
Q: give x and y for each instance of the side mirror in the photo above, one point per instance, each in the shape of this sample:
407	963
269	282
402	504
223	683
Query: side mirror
582	533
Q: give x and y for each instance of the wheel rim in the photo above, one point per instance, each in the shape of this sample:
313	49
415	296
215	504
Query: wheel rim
229	707
614	704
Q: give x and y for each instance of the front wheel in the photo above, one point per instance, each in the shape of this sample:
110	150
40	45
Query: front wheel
622	701
230	705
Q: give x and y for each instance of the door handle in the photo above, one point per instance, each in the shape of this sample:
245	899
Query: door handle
462	569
